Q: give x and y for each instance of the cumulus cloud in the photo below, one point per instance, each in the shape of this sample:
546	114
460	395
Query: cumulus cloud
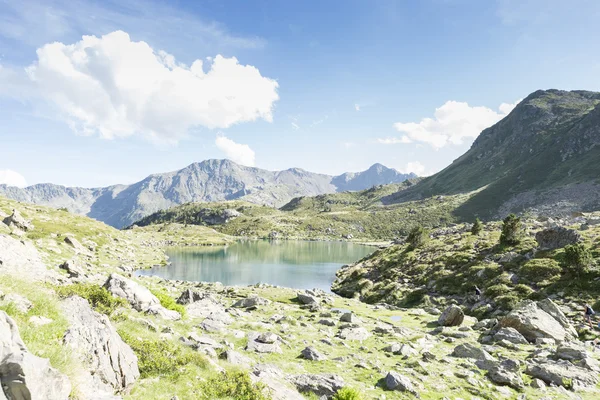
236	152
453	122
12	178
115	87
357	107
414	167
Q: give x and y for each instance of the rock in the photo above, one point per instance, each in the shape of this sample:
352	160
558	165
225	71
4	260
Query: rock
198	341
392	348
16	220
72	269
23	375
353	333
310	353
251	301
511	335
452	316
74	243
267	338
235	358
401	383
533	322
561	373
327	322
538	384
308	298
555	312
140	298
189	296
571	351
260	346
556	238
350	318
21	259
467	350
111	364
319	384
273	379
502	376
21	303
40	321
160	311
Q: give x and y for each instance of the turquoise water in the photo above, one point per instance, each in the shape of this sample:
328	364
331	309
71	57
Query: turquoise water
295	264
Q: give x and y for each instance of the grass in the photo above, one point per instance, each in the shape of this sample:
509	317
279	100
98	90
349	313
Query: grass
98	297
168	302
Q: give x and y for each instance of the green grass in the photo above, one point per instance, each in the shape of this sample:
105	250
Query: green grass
168	302
98	297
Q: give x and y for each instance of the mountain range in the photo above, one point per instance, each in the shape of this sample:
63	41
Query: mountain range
210	180
544	156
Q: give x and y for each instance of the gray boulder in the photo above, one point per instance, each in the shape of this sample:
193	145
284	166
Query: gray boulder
261	343
235	358
78	247
275	383
511	335
310	353
319	384
189	296
571	351
467	350
24	376
140	298
21	258
251	301
561	373
350	318
503	376
308	297
16	220
74	270
112	365
160	311
556	238
401	383
353	333
538	320
452	316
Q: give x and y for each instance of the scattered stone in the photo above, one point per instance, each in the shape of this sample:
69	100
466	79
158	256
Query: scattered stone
538	384
140	298
21	303
16	220
353	333
502	376
467	350
350	318
571	351
21	258
327	322
453	315
251	301
235	358
263	345
189	296
511	335
561	373
72	269
308	297
319	384
401	383
74	243
39	321
310	353
160	311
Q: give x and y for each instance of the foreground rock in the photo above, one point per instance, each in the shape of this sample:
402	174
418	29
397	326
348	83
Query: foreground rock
396	381
23	375
319	384
562	373
452	316
21	258
536	320
16	220
112	364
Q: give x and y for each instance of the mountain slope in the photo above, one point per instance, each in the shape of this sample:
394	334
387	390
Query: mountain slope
544	156
210	180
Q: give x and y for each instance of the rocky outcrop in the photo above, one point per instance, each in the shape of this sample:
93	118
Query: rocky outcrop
140	298
320	384
536	320
310	353
274	380
561	373
21	258
251	301
556	238
401	383
23	375
112	365
16	220
452	316
189	296
72	268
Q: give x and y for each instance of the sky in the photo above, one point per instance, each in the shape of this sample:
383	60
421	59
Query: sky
95	93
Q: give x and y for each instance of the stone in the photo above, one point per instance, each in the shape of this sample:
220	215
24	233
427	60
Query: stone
467	350
111	364
453	315
561	373
398	382
21	258
354	333
140	298
24	376
571	351
235	358
160	311
267	337
327	322
532	321
251	301
310	353
72	269
511	335
556	237
189	296
39	321
273	379
538	384
350	318
74	243
199	340
259	346
319	384
503	376
308	298
16	220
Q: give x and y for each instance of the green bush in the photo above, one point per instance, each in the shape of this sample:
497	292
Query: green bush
512	230
417	237
497	290
96	295
415	297
540	269
523	290
477	227
508	301
168	302
578	257
232	385
347	393
161	357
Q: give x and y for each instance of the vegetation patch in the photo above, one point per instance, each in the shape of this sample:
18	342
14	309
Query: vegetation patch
168	302
98	297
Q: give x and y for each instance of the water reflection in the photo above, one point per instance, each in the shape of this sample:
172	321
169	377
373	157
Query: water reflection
302	265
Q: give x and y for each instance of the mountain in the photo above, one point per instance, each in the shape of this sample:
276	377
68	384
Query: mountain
210	180
544	156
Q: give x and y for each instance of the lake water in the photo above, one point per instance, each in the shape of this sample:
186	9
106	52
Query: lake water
295	264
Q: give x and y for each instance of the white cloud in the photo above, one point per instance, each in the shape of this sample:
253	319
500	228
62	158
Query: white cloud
453	122
414	167
391	140
295	126
357	107
115	87
12	178
348	145
236	152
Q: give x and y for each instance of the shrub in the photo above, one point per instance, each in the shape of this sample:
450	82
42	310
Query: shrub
347	393
232	385
417	237
507	301
161	357
168	302
477	227
98	297
577	257
497	290
540	269
415	297
512	230
523	290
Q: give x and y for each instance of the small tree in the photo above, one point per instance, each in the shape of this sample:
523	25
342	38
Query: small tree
417	237
477	227
578	257
511	230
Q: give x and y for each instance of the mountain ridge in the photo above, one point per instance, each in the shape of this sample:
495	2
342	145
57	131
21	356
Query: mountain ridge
209	180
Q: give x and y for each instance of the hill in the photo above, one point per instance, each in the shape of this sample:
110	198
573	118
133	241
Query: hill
210	180
544	156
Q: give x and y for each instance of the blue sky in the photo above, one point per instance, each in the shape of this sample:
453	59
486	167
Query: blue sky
329	86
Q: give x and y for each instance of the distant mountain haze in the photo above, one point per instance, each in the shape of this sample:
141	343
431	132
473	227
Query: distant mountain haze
210	180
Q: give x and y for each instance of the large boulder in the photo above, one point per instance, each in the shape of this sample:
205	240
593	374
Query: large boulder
21	258
263	343
561	373
536	320
557	237
320	384
189	296
398	382
453	315
24	376
274	380
140	298
467	350
511	335
251	301
112	364
16	220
